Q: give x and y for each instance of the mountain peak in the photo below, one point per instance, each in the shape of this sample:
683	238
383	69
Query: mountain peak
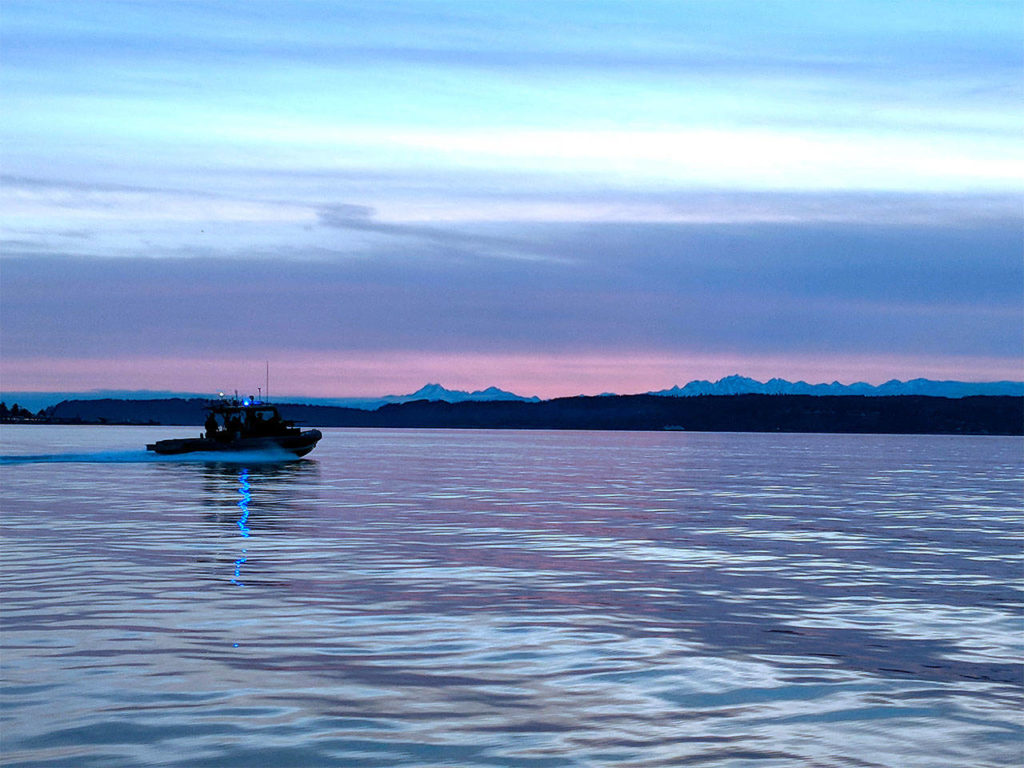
434	391
742	385
431	390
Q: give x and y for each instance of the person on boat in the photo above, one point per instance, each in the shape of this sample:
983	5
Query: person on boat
275	423
234	428
211	426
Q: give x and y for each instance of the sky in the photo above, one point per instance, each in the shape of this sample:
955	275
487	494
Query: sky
551	197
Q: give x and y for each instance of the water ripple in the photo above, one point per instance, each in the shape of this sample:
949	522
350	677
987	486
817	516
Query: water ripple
499	598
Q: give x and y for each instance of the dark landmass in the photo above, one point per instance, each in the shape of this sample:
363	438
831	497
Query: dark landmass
906	414
18	415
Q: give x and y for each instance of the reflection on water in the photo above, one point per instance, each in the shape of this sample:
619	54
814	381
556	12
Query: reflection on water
520	598
237	499
243	504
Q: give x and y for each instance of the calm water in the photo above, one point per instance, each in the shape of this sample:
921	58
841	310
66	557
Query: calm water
476	598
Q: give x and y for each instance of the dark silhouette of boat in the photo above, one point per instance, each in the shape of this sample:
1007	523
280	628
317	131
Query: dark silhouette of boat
235	425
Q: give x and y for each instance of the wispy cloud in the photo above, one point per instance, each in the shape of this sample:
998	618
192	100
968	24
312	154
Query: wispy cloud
752	288
398	202
360	218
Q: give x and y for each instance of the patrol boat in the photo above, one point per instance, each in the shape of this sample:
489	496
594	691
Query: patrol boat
235	425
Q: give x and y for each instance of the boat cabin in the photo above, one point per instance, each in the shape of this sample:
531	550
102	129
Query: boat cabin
233	419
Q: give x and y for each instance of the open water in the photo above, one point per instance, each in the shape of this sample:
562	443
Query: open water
488	598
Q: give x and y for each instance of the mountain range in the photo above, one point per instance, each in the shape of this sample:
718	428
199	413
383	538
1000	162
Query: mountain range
437	392
431	392
729	385
741	385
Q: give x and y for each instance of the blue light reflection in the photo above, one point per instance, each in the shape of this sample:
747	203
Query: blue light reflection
243	504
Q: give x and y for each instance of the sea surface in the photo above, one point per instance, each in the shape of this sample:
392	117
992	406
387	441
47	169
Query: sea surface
512	598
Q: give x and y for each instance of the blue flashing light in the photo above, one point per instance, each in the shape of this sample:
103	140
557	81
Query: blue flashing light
245	402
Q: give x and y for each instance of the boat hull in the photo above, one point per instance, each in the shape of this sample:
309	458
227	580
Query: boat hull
298	445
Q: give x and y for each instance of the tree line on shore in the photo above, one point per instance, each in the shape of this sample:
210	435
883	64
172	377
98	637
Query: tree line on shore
901	414
17	414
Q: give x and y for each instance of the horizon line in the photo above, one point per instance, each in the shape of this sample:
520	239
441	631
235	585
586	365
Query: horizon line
212	394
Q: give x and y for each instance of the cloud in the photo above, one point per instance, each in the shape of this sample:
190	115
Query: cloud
605	290
453	241
733	157
345	215
744	36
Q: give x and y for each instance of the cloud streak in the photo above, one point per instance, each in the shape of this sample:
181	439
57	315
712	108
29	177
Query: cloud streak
775	289
360	218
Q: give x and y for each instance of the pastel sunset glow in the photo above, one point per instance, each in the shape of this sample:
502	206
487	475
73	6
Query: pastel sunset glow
553	198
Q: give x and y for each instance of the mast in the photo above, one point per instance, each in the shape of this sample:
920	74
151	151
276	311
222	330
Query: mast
268	381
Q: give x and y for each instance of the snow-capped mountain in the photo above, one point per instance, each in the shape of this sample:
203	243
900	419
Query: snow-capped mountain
432	392
437	392
741	385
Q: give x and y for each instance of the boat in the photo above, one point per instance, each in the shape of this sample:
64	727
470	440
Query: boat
235	426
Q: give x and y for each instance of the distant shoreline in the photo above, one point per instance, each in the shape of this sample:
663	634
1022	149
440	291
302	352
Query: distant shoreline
898	414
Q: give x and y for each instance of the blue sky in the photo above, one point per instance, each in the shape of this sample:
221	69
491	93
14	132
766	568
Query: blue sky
552	197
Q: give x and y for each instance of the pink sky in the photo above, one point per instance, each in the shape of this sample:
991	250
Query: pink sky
550	375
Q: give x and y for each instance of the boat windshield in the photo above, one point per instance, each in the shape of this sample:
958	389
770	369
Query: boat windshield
230	421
